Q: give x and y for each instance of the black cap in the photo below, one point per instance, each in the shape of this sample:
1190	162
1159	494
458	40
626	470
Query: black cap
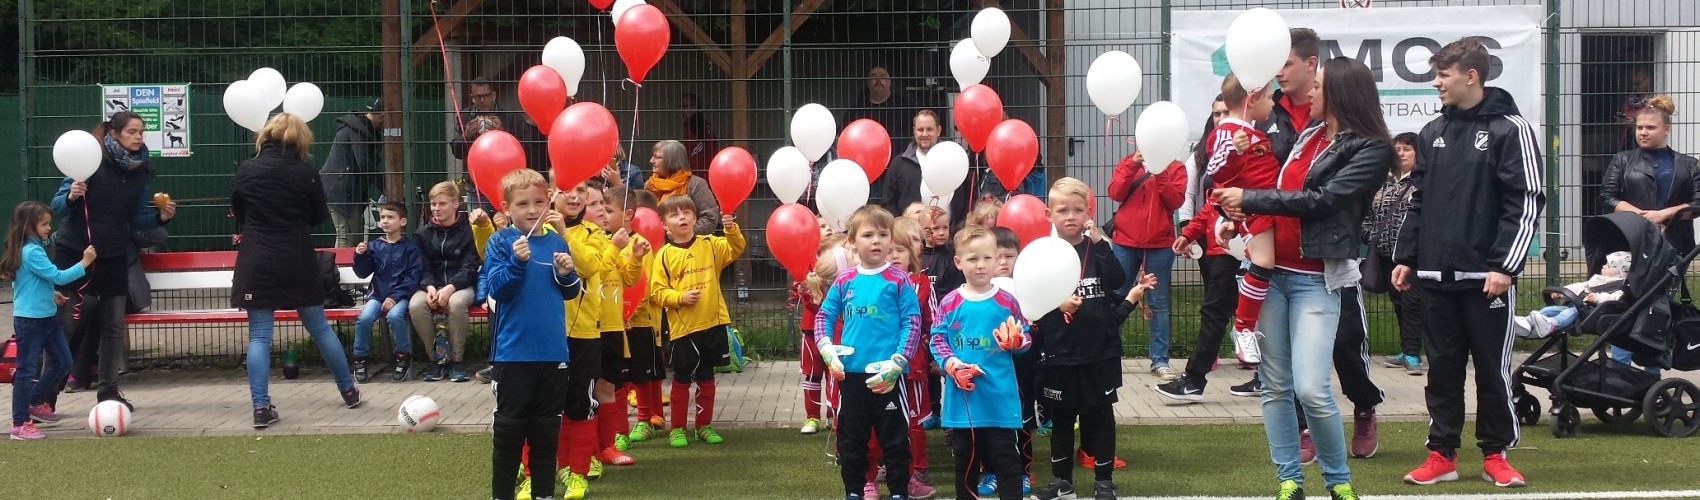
377	106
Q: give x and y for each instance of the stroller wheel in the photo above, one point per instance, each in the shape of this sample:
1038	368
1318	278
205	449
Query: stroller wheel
1671	407
1566	420
1528	409
1618	416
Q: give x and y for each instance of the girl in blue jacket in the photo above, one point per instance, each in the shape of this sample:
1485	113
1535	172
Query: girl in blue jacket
35	323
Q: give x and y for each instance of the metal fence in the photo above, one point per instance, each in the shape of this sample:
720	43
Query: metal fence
747	64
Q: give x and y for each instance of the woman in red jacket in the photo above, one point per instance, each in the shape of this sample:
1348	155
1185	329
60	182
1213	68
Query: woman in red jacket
1144	233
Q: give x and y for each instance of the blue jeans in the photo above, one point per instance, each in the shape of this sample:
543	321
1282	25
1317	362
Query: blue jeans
1563	317
260	351
1299	320
1623	356
397	318
37	337
1158	261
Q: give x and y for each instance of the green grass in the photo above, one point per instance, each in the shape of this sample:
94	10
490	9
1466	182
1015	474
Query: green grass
778	463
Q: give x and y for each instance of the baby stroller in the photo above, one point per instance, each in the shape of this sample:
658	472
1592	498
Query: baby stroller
1617	393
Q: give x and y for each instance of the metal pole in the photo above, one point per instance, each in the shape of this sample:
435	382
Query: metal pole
26	74
1167	26
407	105
1553	20
785	55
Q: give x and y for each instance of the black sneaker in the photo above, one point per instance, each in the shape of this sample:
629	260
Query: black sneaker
1059	489
115	395
360	373
435	372
351	397
457	373
1182	389
1104	490
483	376
1251	389
265	417
401	366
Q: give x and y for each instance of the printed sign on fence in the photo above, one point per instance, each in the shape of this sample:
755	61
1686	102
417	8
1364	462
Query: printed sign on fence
164	110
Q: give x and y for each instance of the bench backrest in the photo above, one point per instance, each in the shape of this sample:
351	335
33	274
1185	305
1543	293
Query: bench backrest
213	270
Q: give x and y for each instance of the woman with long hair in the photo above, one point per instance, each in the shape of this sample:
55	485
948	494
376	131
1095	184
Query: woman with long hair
102	211
1319	200
277	201
672	176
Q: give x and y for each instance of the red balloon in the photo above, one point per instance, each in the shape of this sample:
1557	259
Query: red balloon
642	36
581	142
647	223
978	110
792	237
633	296
1010	152
542	94
604	5
866	142
1027	216
732	175
492	156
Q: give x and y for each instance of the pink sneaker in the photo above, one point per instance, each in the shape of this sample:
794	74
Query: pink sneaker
43	413
870	490
26	432
918	490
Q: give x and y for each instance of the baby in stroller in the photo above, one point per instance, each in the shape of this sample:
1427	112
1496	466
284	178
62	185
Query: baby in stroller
1607	286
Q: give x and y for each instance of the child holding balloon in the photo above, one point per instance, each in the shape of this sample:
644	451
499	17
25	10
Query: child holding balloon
622	271
686	282
642	335
1254	167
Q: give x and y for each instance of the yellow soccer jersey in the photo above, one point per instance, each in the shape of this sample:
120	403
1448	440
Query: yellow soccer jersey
647	314
695	265
591	251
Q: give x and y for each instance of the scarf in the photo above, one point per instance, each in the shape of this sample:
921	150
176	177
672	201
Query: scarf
669	185
128	160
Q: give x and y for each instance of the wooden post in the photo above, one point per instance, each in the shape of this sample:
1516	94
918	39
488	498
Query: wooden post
394	166
1056	94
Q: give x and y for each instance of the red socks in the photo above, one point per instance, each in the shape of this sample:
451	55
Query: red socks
681	404
917	447
608	419
1252	291
577	444
811	398
621	397
705	403
649	399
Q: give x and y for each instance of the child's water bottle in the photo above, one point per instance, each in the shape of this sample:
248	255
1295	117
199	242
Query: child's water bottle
743	289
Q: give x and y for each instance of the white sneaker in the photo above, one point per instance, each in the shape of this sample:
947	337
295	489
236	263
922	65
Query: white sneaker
1245	345
1165	373
1540	326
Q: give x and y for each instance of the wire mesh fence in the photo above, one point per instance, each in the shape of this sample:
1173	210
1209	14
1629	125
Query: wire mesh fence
733	74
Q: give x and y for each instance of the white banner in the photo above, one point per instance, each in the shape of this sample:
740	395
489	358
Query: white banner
1395	43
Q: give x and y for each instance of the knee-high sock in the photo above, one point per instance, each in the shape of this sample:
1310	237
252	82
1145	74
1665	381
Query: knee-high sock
649	395
608	419
580	443
564	444
1062	443
811	397
917	447
621	402
1098	436
506	440
1252	291
542	431
705	403
680	404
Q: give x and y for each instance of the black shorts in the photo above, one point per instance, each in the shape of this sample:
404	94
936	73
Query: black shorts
695	356
527	391
583	369
1080	386
646	359
616	367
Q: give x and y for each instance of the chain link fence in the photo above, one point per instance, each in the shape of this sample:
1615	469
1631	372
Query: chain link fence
745	65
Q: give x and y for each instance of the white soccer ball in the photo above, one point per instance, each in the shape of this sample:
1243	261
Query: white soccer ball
109	419
418	414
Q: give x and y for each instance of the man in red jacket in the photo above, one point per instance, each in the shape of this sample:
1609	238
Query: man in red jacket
1144	233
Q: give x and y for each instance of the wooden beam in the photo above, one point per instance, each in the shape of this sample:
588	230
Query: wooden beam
1056	94
689	28
1021	42
770	46
451	22
394	152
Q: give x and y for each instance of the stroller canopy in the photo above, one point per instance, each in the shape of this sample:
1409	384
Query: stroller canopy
1628	232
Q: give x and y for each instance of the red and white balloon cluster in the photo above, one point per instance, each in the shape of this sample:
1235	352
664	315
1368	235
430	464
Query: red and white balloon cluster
250	102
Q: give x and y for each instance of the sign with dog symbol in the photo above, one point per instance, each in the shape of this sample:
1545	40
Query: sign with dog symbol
164	109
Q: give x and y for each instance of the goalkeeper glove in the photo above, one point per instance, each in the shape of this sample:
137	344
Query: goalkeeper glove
886	374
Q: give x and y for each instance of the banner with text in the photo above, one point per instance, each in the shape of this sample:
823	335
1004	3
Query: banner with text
164	110
1395	43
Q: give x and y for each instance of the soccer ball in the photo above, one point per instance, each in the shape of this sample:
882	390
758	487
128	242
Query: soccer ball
418	414
109	419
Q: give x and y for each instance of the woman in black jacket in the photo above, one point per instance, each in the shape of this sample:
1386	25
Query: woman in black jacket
1653	180
1381	230
352	169
277	200
102	211
1324	189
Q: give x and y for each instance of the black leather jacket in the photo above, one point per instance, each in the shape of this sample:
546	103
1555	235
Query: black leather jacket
1336	194
1630	178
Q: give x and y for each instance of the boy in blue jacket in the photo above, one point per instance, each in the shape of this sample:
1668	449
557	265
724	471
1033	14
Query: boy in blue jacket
529	273
881	318
396	262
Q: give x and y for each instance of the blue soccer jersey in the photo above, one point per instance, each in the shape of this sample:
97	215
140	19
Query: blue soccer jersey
964	330
880	312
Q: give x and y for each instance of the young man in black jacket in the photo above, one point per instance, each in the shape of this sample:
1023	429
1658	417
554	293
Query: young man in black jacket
1467	231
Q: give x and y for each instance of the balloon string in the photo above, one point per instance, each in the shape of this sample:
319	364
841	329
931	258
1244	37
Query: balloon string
88	229
631	141
602	55
444	49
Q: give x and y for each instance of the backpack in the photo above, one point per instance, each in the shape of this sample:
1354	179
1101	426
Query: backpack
1685	336
330	280
734	347
8	360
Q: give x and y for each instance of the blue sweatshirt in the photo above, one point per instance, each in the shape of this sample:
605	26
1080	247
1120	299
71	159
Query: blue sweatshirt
529	317
963	330
32	289
398	266
880	311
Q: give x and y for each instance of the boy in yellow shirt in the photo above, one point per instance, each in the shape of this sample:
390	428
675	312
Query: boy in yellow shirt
616	361
686	282
642	336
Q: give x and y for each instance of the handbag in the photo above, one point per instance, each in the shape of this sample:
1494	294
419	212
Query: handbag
8	360
1376	277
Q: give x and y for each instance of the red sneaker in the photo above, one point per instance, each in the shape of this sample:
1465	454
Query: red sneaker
1436	469
1087	462
612	456
1499	472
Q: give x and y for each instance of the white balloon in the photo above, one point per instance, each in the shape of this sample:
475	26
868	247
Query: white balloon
843	188
77	153
967	65
1046	274
1113	82
944	168
812	130
1161	134
620	7
564	55
1236	248
304	100
1004	283
245	103
943	200
272	86
1257	47
990	31
788	174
